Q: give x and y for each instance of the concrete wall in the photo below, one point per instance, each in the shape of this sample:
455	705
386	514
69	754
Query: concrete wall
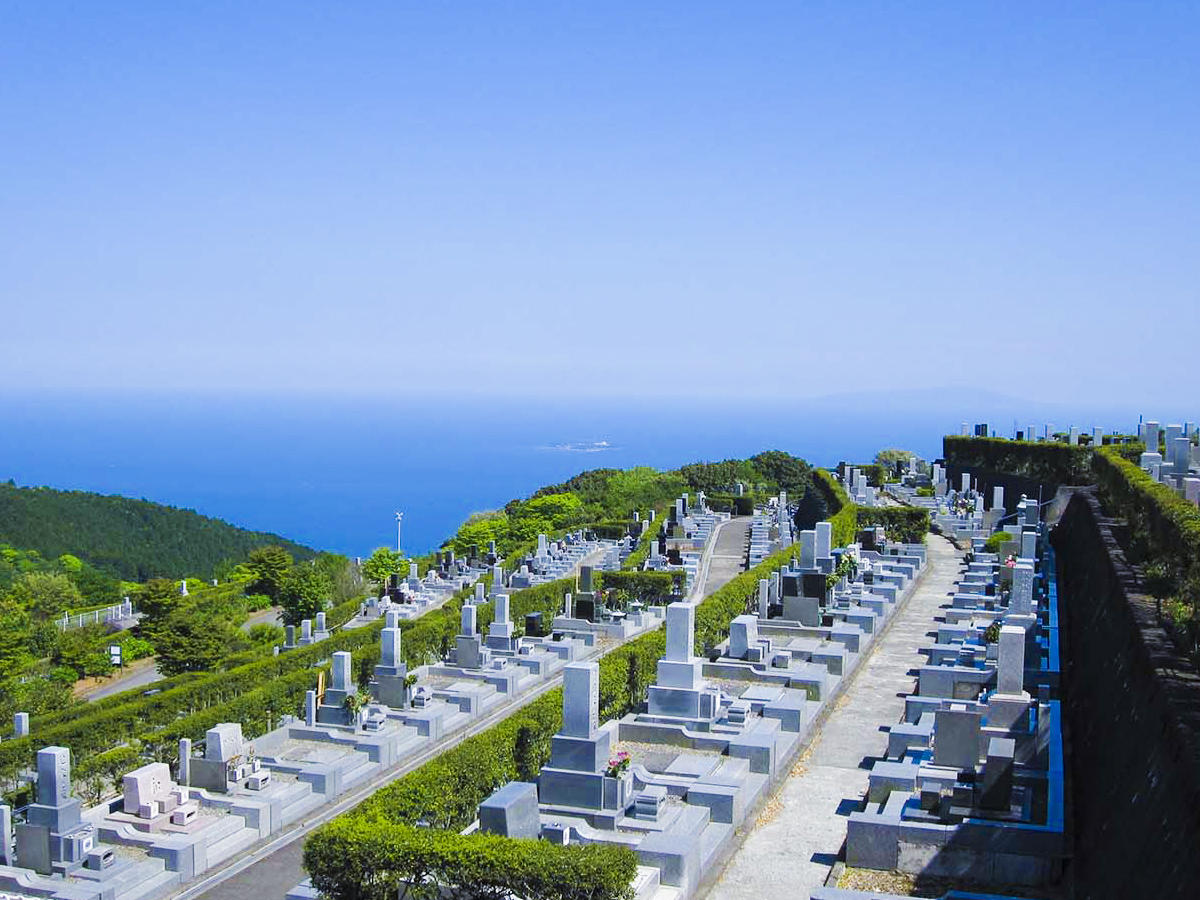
1132	710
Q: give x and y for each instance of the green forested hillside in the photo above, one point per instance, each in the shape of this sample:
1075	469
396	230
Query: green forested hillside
130	539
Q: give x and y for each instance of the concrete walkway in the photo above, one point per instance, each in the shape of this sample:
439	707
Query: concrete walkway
800	832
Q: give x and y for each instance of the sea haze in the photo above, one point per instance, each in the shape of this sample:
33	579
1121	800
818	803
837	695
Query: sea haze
331	472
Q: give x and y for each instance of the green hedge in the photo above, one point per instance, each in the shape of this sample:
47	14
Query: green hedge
842	513
358	859
1049	463
908	524
648	587
1169	524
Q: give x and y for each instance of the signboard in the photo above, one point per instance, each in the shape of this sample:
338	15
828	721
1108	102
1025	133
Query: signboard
114	654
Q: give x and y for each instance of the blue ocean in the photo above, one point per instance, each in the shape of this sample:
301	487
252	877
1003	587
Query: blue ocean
331	472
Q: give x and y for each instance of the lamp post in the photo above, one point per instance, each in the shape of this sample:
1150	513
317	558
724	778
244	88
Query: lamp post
399	520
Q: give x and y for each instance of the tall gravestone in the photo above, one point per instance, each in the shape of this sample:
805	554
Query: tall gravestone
53	834
1021	603
1010	668
332	710
469	650
500	634
824	540
388	686
680	691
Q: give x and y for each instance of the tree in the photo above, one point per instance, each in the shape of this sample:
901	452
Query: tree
345	580
889	458
303	593
270	566
789	472
85	650
191	642
157	600
810	509
45	595
381	563
14	636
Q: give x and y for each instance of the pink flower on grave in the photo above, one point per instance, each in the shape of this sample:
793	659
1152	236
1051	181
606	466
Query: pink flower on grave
618	764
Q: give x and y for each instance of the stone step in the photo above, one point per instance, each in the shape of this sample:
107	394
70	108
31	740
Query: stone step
230	845
154	884
358	773
646	882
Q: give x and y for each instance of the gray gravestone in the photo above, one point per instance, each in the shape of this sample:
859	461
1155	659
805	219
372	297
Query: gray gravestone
581	699
956	738
1022	590
53	776
998	774
1010	666
681	632
342	680
185	761
511	812
389	652
824	540
743	635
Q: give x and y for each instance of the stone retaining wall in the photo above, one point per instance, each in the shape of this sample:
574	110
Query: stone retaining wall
1132	710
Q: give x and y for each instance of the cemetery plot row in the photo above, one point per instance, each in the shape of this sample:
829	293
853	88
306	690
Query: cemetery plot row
446	792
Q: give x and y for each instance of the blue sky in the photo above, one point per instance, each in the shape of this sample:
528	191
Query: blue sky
685	199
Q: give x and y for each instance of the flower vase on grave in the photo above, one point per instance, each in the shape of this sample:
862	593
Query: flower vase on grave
618	791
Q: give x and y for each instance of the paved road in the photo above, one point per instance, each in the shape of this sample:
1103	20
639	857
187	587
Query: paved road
268	616
727	557
269	872
139	674
798	837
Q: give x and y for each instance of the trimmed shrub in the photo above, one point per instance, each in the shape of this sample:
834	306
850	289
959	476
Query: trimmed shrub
842	514
907	524
1049	463
364	859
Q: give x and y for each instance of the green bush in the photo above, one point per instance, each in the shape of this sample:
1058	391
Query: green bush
1049	463
907	524
842	513
1168	524
361	859
996	541
648	587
